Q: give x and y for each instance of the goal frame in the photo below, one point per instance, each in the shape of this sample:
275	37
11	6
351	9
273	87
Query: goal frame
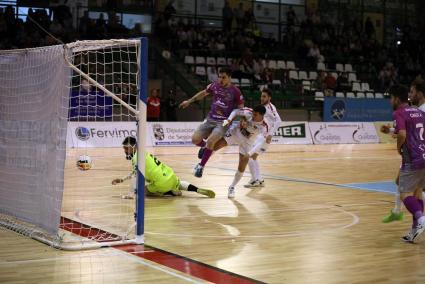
140	113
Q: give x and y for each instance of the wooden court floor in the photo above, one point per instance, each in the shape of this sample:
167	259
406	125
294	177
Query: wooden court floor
304	226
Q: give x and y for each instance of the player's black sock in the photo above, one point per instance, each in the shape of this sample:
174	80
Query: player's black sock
191	187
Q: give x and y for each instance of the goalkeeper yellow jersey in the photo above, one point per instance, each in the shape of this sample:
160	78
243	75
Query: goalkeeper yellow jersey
155	170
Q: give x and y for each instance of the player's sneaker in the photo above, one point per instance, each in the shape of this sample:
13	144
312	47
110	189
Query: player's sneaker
253	183
206	192
408	237
393	217
201	152
231	192
198	170
420	228
262	183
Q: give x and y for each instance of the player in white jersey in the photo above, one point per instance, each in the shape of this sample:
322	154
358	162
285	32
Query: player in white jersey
244	134
261	145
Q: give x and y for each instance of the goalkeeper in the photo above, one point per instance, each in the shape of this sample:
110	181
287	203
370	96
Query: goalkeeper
161	179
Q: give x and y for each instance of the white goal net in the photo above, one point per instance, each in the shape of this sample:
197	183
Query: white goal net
58	105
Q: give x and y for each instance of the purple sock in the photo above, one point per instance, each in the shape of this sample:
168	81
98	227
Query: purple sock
420	213
414	206
201	144
206	156
415	222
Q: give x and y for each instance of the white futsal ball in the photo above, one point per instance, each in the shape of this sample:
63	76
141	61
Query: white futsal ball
84	163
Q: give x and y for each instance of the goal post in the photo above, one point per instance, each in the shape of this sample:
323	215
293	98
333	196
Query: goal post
79	90
143	91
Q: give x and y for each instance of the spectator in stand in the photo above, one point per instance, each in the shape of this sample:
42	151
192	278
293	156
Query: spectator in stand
212	74
221	45
319	83
387	76
239	16
249	18
314	55
171	106
330	81
154	106
246	63
291	18
330	84
342	83
169	10
227	16
267	76
369	28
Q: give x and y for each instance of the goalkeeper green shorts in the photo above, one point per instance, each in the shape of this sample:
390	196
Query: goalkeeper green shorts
164	185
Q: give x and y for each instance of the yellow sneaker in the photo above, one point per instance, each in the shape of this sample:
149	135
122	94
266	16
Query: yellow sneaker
206	192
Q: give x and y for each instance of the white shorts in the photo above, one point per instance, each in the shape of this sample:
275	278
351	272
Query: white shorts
260	145
234	136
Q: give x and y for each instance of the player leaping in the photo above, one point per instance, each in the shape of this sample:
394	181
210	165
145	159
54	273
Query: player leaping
261	145
244	134
226	98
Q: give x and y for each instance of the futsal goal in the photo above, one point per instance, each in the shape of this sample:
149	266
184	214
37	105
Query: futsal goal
58	103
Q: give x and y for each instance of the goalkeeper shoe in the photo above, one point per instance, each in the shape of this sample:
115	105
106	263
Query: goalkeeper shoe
206	192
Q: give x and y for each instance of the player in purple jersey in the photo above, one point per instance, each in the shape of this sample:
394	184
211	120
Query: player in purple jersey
409	123
417	98
226	98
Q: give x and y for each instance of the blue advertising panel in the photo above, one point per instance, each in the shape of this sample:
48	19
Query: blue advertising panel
93	104
340	109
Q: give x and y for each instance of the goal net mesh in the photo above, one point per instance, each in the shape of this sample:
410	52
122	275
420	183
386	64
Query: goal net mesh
58	104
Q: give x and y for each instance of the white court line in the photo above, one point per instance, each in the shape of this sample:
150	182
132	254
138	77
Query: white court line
226	214
300	180
285	178
58	258
296	158
355	220
157	267
115	252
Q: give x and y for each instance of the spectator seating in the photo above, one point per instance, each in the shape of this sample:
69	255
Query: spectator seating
282	71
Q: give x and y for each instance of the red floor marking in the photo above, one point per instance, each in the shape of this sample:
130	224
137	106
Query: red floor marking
180	263
186	265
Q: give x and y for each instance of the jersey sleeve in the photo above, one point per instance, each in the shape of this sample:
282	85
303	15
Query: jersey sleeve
238	97
245	112
399	122
210	88
277	122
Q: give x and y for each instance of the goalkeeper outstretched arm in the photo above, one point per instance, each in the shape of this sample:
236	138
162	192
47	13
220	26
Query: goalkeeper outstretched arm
124	178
